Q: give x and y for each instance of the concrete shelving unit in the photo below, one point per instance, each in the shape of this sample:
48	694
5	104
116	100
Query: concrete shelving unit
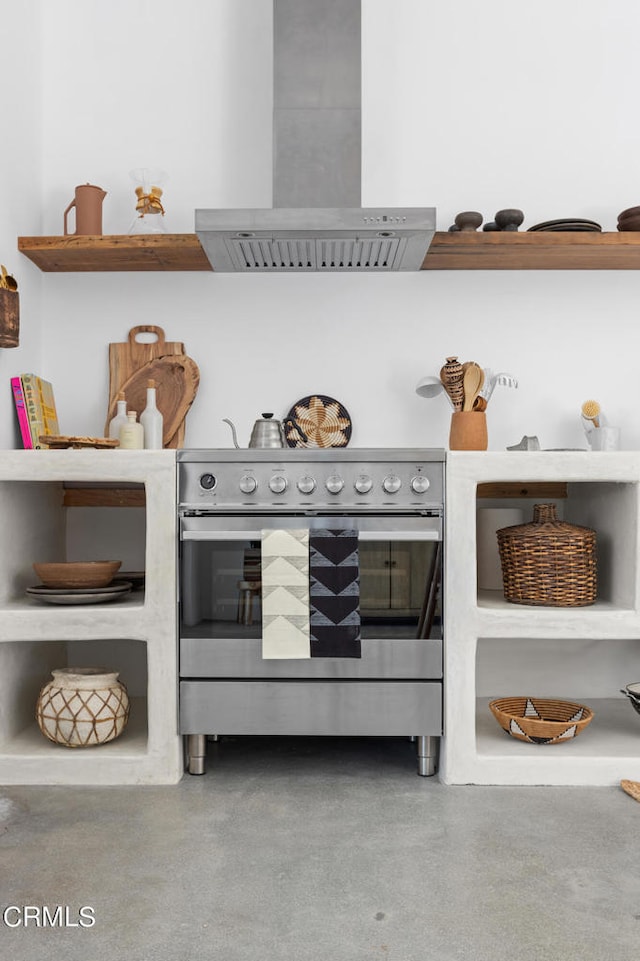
498	649
135	635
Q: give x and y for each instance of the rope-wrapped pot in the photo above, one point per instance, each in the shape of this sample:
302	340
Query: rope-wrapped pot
82	706
548	562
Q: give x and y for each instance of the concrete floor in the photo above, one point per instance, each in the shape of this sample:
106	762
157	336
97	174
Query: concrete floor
321	850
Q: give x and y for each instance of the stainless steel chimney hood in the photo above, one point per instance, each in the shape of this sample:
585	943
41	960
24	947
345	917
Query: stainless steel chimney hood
316	223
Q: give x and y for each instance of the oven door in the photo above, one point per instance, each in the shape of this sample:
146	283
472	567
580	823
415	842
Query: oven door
400	607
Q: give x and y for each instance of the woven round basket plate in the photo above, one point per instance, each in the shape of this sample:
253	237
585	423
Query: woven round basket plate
540	720
59	442
317	421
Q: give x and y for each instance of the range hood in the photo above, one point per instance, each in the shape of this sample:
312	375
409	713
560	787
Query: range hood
316	223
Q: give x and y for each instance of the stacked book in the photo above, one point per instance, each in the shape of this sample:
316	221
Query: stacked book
36	409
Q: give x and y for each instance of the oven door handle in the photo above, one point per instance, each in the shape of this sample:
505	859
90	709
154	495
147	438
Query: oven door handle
382	535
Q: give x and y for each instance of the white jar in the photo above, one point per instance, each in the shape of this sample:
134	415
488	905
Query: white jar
131	433
120	418
151	420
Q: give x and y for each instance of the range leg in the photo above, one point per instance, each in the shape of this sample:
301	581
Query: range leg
427	751
196	753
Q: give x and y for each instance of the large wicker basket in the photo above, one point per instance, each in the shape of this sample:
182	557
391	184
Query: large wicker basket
548	562
540	720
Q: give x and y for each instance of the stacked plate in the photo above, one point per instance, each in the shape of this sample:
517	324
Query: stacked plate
136	579
79	582
629	219
80	595
568	224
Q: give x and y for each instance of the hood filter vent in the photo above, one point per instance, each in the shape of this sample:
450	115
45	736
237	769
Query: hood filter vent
252	254
317	222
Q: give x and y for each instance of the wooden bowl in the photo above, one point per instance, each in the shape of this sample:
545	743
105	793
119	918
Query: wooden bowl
77	574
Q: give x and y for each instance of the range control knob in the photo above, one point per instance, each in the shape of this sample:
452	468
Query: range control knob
247	484
363	484
278	484
420	484
392	484
306	484
207	482
334	484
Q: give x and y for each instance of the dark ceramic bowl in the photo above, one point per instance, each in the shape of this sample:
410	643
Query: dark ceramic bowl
631	224
632	691
629	212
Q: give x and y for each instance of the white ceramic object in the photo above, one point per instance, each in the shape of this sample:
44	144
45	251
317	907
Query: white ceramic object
151	420
82	706
603	438
119	420
131	433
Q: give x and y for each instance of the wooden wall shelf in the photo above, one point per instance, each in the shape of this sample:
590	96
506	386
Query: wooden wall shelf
448	251
115	252
544	250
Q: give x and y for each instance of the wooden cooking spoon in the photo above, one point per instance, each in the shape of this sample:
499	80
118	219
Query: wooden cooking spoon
472	384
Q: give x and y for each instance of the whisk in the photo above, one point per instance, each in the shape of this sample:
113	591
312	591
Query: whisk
591	411
496	380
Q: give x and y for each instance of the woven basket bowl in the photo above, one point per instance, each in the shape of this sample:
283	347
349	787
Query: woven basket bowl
77	574
540	720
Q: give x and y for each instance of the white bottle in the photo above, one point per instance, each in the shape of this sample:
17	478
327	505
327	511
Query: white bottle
120	419
151	420
131	433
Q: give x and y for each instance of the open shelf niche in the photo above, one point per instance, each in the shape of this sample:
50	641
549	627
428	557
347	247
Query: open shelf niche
498	649
135	635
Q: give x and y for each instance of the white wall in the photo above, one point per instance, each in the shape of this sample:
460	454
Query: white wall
465	106
20	189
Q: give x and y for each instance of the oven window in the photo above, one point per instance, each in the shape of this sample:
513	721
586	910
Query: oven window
399	588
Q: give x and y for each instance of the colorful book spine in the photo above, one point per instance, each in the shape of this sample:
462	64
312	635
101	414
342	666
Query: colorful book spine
40	408
21	411
33	407
48	405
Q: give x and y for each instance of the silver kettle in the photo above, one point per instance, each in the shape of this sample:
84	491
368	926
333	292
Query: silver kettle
266	432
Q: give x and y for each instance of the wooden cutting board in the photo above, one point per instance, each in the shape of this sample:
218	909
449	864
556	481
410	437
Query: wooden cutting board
176	379
126	358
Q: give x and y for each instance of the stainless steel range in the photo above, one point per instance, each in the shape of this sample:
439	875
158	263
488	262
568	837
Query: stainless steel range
393	502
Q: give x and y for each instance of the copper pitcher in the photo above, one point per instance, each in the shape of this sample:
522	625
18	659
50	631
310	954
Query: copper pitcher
88	206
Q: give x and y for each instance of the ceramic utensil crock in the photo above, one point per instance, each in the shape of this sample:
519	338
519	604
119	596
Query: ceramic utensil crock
468	430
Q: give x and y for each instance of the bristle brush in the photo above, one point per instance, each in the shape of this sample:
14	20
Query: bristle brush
591	411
